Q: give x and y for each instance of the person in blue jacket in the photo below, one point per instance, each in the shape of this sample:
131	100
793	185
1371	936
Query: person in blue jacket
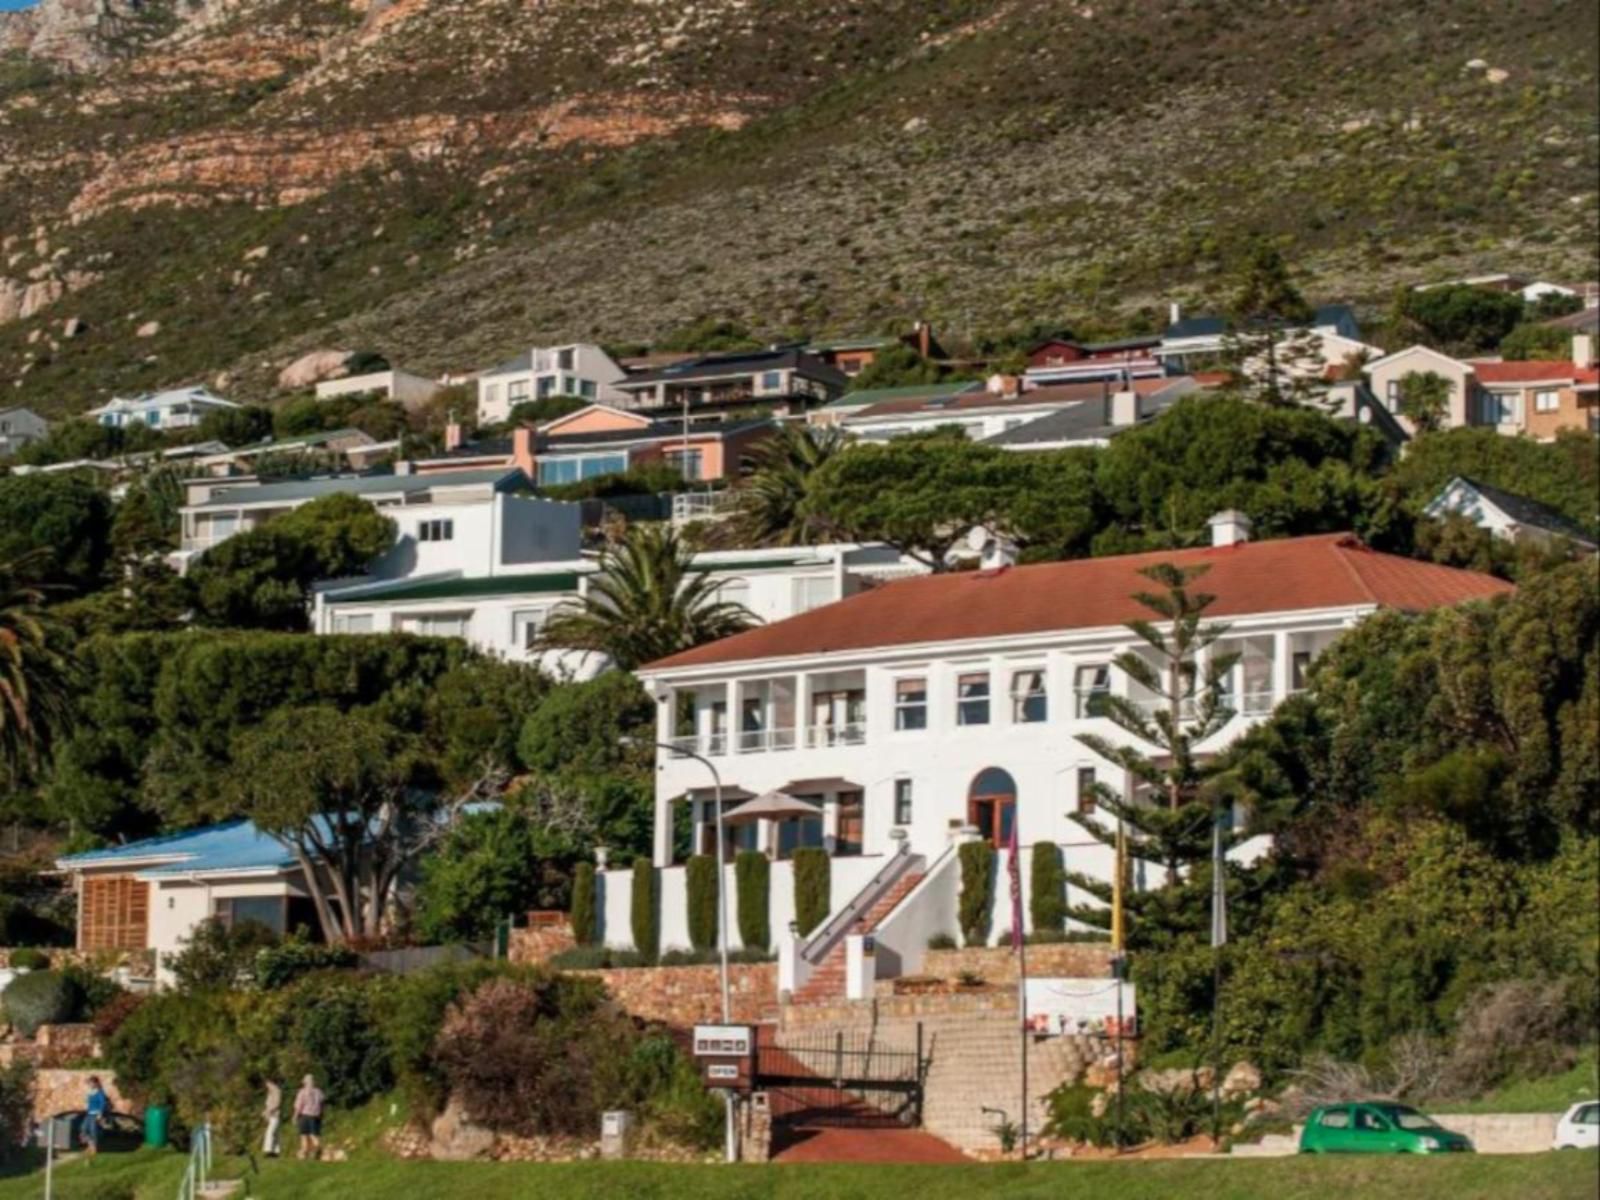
94	1115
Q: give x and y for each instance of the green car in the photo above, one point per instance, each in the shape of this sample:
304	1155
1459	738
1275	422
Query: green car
1376	1127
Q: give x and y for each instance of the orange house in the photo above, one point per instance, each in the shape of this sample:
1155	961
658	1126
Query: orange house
602	440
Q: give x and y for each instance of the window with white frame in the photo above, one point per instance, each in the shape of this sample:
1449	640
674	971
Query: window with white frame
564	359
1086	790
771	381
902	801
911	703
526	625
352	622
491	394
1546	401
517	391
1092	690
1029	703
812	591
1497	408
587	389
441	529
435	624
972	698
687	463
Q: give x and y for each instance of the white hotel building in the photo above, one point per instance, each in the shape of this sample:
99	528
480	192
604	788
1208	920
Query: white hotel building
945	707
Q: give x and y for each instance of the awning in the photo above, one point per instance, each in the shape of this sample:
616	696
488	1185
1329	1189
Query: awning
730	792
774	806
814	787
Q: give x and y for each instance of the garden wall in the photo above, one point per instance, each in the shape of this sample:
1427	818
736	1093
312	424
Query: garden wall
996	964
58	1090
684	996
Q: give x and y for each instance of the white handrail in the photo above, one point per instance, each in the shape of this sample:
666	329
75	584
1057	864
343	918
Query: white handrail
199	1165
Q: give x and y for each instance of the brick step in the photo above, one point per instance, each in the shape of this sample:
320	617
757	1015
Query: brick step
827	981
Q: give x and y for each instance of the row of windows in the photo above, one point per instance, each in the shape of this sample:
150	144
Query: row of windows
570	470
439	530
525	624
904	795
1030	700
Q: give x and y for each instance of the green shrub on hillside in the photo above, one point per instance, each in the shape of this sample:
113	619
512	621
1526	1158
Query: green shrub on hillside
1047	889
977	892
753	873
701	884
29	959
813	884
40	998
584	913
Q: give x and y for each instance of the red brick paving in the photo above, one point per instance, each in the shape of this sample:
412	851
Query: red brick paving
820	1145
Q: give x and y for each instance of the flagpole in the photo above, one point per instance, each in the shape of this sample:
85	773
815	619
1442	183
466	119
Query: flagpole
1019	943
1219	938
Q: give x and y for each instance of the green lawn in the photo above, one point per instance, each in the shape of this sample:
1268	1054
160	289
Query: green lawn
1551	1093
153	1175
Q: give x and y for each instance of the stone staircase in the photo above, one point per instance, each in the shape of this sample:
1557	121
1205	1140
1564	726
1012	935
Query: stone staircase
826	984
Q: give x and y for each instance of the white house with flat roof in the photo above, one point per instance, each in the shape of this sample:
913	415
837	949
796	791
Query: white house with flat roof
402	387
176	408
475	522
580	369
944	708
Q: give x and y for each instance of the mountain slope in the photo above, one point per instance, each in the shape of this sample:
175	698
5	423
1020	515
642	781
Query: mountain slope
214	188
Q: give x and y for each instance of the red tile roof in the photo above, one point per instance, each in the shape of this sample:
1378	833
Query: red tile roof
1064	393
1331	570
1530	371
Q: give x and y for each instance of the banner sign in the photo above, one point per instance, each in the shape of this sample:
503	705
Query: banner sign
722	1041
1071	1006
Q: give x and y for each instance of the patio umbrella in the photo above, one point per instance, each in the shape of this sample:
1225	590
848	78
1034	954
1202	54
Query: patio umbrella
773	806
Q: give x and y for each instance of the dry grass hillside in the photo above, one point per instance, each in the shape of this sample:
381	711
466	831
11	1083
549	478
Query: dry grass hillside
212	187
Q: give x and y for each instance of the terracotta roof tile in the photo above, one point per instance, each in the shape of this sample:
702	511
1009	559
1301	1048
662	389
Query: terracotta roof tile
1525	372
1324	571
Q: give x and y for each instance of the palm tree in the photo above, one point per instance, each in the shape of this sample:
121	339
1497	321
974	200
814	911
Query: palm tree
647	601
34	672
769	500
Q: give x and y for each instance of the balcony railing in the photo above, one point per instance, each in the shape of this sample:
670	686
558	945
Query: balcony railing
754	741
853	734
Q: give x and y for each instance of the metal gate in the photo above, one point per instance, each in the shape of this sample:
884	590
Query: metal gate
841	1078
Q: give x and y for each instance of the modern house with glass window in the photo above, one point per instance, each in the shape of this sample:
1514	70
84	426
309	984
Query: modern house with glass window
603	440
787	377
947	708
580	369
177	408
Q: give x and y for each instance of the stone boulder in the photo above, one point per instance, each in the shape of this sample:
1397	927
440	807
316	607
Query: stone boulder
455	1138
1243	1079
313	368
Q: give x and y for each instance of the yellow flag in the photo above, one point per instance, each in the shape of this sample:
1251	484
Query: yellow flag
1118	937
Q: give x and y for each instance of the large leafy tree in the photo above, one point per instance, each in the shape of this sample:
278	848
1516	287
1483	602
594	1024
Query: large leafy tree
1267	343
1457	318
771	501
1174	828
921	495
1425	399
262	578
66	519
35	671
646	601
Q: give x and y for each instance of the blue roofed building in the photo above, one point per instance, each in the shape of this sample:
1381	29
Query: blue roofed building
150	895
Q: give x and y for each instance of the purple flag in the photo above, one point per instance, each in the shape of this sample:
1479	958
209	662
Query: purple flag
1014	867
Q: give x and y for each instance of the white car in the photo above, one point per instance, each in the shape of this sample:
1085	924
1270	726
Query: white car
1579	1128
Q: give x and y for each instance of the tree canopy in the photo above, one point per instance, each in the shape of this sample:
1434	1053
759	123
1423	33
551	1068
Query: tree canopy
1457	318
65	520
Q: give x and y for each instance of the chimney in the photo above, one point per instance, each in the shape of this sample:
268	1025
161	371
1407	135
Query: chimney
522	452
452	435
924	339
1124	408
1175	312
404	466
1582	351
1002	385
1229	528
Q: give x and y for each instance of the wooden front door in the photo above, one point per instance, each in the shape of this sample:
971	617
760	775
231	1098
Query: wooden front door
993	816
851	822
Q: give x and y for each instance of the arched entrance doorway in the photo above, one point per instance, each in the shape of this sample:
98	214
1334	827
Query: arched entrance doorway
992	804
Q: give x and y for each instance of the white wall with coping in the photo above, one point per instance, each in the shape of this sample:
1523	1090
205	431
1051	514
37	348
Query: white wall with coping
929	908
847	877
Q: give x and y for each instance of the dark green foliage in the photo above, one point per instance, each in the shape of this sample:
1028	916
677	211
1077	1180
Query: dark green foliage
709	335
1047	889
16	1107
1425	399
645	908
66	518
262	578
220	956
490	867
813	882
96	990
977	893
334	1034
77	439
1532	341
235	427
413	1008
896	365
279	965
753	872
1457	318
40	998
549	408
583	905
381	419
701	881
577	727
1564	474
29	959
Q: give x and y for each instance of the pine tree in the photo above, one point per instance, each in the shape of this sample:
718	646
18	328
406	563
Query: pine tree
1268	345
1173	828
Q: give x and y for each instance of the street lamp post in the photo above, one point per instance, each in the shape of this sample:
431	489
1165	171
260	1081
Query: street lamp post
722	913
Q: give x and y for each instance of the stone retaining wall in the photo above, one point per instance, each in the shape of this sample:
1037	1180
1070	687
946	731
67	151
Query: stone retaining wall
540	941
1503	1133
59	1090
53	1046
998	964
685	996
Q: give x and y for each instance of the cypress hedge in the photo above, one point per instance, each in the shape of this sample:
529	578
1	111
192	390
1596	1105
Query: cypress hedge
583	906
702	885
813	872
754	875
1047	891
977	892
644	914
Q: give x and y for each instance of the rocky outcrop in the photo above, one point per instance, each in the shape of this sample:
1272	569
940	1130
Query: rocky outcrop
84	34
22	298
313	368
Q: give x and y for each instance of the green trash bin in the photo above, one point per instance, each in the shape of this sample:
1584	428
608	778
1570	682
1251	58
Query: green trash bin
156	1118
